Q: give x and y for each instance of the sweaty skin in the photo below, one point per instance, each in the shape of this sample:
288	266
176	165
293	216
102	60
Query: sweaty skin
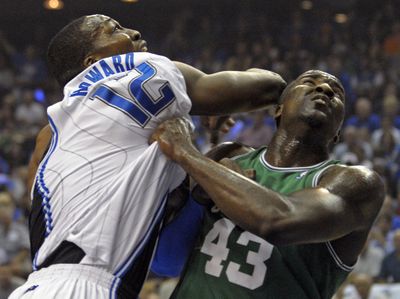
342	207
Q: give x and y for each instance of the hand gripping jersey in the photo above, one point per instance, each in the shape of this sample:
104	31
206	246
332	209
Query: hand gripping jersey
231	263
100	190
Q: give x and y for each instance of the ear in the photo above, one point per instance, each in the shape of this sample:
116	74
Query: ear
89	60
278	111
336	138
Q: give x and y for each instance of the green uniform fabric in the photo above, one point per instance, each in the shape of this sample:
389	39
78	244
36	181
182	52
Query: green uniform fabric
228	262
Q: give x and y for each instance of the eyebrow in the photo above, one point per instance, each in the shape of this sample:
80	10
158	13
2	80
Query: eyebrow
330	80
100	25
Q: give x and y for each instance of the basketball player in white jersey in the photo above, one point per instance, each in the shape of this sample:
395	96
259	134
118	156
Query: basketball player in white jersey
98	189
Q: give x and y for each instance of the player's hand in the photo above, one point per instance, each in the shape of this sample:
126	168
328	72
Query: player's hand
174	138
216	125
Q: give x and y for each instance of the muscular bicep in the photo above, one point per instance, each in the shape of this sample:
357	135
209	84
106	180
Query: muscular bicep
361	189
347	200
42	144
230	91
208	93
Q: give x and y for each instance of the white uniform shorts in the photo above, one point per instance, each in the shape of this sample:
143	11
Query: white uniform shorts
67	281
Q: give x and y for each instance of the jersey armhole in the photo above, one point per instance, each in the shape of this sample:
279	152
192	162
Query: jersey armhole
337	259
328	244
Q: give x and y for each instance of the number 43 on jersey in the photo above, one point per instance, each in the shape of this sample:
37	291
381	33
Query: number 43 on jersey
215	245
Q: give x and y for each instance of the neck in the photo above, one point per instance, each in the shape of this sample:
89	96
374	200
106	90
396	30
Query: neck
288	150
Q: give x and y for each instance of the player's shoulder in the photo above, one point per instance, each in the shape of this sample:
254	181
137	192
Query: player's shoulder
153	57
353	171
358	180
228	150
158	62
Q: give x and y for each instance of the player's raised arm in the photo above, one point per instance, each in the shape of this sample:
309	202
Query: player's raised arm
231	91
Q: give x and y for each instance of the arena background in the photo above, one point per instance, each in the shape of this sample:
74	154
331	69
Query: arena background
358	41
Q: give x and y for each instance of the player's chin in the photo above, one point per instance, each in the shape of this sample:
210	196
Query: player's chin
141	49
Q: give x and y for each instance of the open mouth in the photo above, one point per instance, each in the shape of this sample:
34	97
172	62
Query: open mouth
320	101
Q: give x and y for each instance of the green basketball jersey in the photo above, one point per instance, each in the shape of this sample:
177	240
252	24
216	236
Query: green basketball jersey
229	263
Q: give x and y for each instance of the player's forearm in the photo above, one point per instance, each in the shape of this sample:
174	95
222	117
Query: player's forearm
232	92
249	205
279	219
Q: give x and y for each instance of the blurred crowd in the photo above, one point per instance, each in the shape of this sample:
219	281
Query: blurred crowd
363	52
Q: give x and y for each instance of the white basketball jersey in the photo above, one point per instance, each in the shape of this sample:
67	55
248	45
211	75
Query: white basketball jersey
102	186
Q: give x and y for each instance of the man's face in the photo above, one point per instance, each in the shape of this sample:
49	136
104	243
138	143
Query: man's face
110	38
316	98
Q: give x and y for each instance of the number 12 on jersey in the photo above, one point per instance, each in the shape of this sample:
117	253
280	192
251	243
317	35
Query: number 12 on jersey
144	105
219	252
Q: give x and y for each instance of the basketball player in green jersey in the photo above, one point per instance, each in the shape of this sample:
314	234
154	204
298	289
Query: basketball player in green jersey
298	232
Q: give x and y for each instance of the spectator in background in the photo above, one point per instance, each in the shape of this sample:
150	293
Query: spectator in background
31	67
386	145
391	44
258	133
369	261
6	74
390	108
380	135
390	270
7	108
353	150
14	248
380	231
363	116
30	113
362	284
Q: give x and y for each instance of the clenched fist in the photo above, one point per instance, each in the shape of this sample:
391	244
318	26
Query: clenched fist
174	138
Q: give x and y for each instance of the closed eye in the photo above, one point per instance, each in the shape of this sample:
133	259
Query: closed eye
308	82
117	27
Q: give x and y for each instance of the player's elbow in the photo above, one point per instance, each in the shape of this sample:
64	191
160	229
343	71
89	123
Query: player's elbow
274	88
271	229
273	233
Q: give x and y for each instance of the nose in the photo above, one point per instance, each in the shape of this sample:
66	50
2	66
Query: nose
135	35
326	89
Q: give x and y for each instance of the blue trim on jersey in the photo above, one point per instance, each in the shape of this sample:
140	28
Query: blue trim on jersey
43	190
34	264
114	287
126	265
